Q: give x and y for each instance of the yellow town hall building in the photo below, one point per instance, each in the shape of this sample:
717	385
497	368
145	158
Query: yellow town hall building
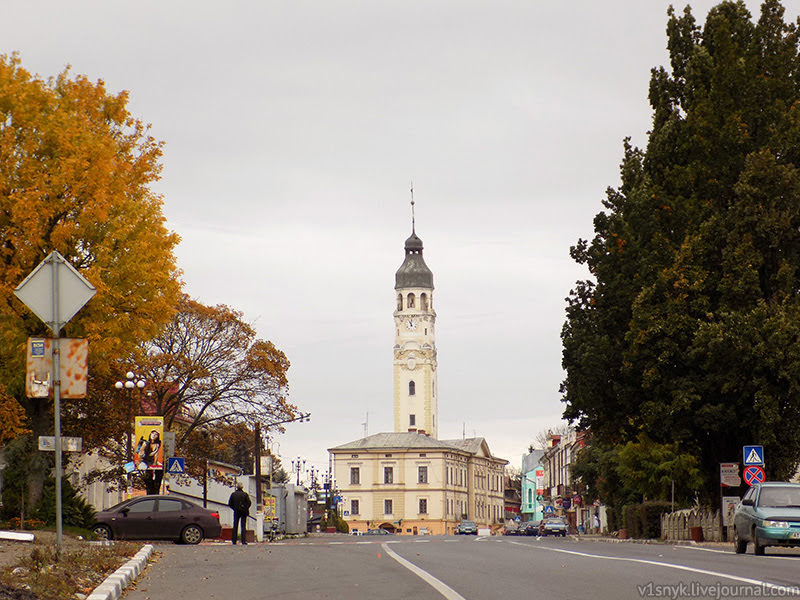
409	481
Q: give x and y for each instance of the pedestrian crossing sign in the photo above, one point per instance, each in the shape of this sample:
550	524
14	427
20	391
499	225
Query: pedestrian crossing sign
176	465
754	455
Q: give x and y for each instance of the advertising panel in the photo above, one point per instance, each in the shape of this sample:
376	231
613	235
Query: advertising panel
74	367
149	433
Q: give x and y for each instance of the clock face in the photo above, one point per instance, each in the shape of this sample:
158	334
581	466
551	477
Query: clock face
411	325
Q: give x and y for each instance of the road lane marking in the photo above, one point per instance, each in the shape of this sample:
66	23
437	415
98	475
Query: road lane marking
439	586
643	561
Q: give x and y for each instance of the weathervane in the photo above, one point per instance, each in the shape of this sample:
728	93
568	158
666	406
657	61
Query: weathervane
413	229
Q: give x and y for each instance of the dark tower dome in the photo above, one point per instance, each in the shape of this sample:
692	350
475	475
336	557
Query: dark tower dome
413	273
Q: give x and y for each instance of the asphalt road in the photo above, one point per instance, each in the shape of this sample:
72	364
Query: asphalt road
469	568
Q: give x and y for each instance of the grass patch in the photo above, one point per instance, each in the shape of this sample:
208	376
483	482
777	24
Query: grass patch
51	574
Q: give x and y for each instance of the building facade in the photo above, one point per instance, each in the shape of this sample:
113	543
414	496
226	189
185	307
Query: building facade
411	483
532	486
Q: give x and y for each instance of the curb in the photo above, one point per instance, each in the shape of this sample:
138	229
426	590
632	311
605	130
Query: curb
112	587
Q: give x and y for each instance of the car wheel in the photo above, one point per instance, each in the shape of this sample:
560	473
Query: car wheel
191	534
758	549
102	532
739	545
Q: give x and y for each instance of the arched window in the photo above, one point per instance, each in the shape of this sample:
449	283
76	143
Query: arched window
423	301
410	301
412	388
399	301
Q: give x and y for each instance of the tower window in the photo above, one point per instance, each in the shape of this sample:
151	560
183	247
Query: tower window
423	301
399	301
412	420
410	301
412	388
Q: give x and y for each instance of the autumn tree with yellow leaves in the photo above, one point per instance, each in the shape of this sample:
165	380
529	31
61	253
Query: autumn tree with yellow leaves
211	378
76	170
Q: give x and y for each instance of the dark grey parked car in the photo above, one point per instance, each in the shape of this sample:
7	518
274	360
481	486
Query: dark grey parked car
157	518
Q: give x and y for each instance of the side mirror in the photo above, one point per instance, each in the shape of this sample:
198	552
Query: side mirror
748	502
125	511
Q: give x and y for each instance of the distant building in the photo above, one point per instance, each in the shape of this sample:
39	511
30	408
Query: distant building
559	488
409	481
412	483
532	486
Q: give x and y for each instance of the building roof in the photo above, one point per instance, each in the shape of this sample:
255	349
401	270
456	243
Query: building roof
414	440
393	440
477	446
413	273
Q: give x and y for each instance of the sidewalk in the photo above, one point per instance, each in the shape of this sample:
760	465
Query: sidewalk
612	539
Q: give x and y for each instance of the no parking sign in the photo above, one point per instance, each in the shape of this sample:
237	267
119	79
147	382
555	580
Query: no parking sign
753	474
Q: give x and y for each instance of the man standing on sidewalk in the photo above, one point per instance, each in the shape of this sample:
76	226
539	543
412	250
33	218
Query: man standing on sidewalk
240	503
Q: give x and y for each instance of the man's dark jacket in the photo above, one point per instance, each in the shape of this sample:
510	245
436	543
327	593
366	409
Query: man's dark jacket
240	502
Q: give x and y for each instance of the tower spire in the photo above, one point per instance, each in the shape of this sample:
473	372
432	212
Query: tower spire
413	222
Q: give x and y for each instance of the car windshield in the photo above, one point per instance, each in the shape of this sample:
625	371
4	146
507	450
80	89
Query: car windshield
780	497
468	523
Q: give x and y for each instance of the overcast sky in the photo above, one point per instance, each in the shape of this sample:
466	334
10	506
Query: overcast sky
293	131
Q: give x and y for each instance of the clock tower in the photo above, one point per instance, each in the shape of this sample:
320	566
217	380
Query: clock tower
415	387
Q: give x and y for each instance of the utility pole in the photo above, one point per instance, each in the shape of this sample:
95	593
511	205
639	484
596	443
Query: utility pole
258	467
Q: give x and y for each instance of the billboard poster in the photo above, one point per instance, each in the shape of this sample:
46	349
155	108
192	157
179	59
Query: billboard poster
74	367
149	436
540	481
269	507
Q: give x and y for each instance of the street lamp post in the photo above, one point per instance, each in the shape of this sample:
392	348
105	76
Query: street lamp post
131	382
297	465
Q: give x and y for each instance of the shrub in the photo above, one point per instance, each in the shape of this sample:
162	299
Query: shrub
650	513
644	520
75	511
631	520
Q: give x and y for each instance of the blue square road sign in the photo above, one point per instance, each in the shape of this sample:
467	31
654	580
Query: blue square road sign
176	465
753	455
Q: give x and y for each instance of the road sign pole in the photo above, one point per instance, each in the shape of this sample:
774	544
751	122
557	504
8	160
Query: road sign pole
33	292
57	394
